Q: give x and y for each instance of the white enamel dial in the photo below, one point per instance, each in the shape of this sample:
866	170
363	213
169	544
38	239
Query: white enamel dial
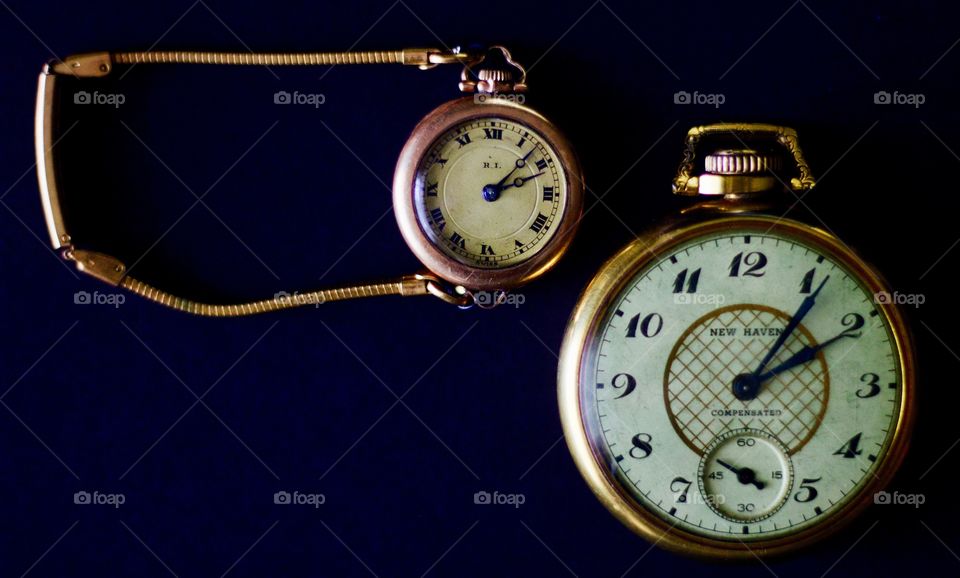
716	411
490	192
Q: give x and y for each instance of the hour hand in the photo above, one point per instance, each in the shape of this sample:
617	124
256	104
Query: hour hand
519	163
491	192
520	181
804	355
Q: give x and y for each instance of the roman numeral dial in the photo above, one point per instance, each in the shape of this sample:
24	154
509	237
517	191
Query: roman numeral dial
490	192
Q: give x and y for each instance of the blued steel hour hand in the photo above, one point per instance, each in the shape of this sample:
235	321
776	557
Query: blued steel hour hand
806	354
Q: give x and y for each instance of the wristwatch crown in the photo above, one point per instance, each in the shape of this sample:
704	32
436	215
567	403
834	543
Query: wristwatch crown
493	75
495	72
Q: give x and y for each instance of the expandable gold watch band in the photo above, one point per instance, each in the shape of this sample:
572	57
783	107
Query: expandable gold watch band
112	270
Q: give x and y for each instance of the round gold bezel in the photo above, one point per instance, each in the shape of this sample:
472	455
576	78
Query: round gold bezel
432	127
584	326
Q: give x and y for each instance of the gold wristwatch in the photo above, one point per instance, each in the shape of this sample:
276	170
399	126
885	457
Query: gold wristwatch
487	192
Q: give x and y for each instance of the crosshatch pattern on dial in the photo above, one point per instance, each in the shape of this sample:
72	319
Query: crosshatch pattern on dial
701	369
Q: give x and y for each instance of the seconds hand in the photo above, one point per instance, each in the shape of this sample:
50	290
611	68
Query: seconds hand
744	475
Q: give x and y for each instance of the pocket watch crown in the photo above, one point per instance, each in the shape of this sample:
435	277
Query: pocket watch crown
767	159
741	162
739	172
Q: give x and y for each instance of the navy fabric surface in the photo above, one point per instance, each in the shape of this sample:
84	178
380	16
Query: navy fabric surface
397	411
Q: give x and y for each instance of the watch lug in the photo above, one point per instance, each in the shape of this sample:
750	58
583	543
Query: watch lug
100	265
88	65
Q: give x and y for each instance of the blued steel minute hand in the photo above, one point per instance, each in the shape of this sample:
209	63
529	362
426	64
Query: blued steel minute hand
492	192
746	386
516	166
802	311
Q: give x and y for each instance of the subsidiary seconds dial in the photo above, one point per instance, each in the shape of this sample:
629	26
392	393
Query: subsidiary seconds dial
490	192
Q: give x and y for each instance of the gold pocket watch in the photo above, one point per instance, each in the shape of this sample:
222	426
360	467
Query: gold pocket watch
734	383
487	192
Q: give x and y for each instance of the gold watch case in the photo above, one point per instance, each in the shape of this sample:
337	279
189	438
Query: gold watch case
432	127
582	330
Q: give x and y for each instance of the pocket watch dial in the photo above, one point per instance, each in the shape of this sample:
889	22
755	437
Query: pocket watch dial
490	192
744	385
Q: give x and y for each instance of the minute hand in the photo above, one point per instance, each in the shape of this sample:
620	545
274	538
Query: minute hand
802	311
516	166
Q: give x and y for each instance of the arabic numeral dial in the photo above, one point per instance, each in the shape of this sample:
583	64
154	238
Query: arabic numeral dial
743	384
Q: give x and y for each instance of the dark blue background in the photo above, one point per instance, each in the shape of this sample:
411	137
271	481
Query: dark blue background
102	398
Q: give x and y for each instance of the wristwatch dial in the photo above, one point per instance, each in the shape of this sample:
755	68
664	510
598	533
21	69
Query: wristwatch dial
490	192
